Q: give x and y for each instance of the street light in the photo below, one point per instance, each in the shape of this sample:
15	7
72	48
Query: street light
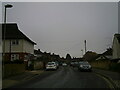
6	6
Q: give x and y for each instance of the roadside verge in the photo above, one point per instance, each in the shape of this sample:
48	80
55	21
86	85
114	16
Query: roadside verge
113	77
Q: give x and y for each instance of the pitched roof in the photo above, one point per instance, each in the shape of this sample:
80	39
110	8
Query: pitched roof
37	51
101	55
12	32
108	52
118	37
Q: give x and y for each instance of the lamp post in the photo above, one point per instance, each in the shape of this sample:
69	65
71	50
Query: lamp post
6	6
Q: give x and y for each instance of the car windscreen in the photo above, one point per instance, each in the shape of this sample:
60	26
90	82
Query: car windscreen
84	63
50	63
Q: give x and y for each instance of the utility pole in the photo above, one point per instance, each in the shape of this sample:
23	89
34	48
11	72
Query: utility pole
85	45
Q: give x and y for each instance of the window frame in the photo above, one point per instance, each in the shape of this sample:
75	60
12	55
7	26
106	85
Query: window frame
14	57
14	42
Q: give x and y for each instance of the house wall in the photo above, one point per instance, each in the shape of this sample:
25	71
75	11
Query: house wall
28	47
21	56
14	48
23	46
22	49
116	48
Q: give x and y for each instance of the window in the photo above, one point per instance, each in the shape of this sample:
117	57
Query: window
15	42
14	57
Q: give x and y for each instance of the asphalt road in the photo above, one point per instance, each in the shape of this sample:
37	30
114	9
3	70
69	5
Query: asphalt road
65	77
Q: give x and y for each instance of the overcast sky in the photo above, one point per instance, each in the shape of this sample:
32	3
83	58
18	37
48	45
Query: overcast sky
62	27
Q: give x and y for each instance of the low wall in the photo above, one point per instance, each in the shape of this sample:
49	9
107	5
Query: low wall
13	69
102	65
106	65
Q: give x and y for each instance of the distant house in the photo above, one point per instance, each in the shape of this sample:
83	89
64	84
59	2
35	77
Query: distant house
116	46
38	54
17	45
46	56
101	57
107	55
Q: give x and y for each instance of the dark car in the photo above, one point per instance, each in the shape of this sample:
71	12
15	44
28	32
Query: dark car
84	66
74	63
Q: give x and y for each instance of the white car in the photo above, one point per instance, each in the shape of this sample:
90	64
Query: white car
51	66
64	64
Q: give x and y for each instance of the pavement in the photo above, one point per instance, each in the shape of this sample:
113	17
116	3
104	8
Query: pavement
27	75
113	77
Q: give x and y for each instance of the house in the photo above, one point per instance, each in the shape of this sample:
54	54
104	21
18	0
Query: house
38	54
46	56
17	45
116	47
107	55
55	57
101	57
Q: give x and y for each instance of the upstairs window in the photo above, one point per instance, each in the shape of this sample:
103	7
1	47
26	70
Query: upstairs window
15	42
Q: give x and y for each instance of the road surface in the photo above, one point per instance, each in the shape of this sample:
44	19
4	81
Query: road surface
65	77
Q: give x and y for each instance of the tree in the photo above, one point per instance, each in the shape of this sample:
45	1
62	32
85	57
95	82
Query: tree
68	57
89	56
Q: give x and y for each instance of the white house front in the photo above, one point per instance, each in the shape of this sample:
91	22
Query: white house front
16	46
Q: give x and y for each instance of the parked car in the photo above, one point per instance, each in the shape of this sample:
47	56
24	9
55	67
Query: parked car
71	63
51	66
64	64
84	66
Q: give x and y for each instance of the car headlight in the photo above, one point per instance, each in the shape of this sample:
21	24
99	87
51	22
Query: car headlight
89	66
81	65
